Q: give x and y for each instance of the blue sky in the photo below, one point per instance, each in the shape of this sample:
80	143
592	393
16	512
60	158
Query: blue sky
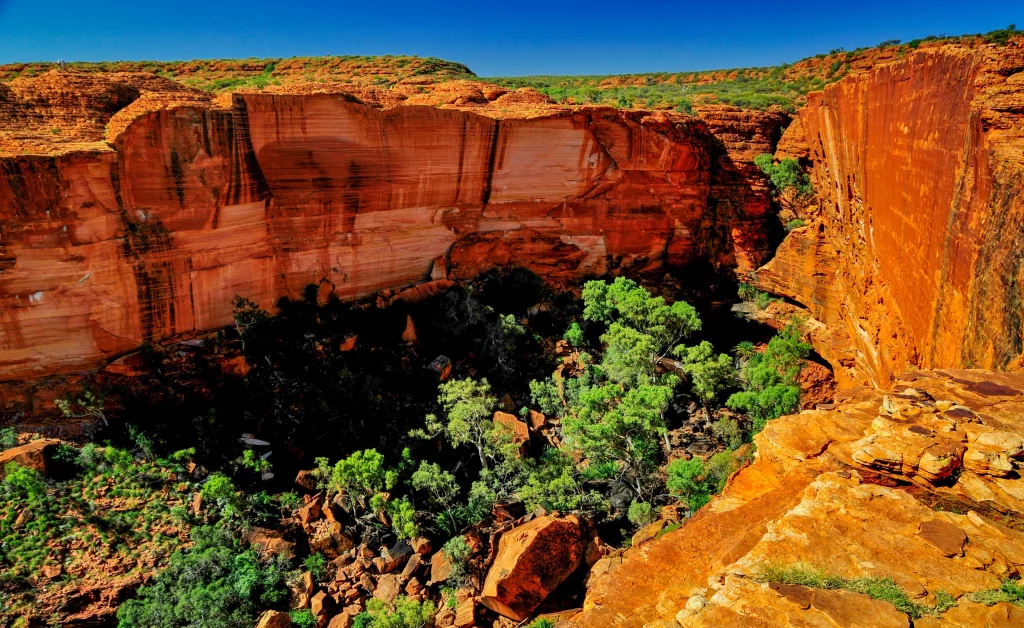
492	38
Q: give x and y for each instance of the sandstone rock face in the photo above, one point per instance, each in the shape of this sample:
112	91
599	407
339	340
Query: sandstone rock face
918	167
532	560
861	490
194	201
34	455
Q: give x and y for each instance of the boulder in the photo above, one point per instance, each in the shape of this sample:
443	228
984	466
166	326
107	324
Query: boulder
517	430
421	545
305	480
322	607
274	619
34	455
531	562
440	567
388	588
442	366
311	510
271	541
465	614
409	333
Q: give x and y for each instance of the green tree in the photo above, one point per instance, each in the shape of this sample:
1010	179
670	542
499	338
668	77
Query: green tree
443	492
710	373
554	483
468	407
641	329
787	174
361	477
770	377
611	423
574	335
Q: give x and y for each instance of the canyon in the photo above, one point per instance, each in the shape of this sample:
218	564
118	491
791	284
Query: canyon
135	209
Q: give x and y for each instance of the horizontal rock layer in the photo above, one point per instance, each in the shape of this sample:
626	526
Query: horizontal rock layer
921	485
917	260
197	203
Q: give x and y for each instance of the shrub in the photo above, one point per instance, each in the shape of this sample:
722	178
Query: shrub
316	565
303	618
785	175
554	484
687	479
728	431
214	583
574	335
770	377
8	438
641	514
403	518
796	223
457	551
402	613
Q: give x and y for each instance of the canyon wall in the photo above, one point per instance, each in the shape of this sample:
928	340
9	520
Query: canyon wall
916	260
192	202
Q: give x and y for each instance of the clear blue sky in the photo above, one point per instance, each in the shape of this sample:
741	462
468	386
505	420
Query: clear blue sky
492	38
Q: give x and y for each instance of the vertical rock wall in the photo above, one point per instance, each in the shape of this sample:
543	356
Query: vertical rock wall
195	202
919	169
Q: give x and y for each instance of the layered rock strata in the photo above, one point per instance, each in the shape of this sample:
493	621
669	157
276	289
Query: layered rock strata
193	201
917	259
921	485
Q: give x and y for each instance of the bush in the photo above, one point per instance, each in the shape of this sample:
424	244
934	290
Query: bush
303	618
8	438
213	584
641	514
402	613
770	377
796	223
785	175
316	565
457	551
574	335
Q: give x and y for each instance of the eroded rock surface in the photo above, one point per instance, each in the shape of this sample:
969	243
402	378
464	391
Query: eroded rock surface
918	168
920	484
532	560
149	231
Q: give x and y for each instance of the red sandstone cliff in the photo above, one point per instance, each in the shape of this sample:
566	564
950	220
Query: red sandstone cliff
190	201
917	260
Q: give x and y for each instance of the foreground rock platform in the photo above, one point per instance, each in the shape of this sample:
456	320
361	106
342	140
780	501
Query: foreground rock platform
920	484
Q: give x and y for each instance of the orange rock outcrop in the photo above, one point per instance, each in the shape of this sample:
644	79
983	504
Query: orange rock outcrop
156	204
918	168
920	485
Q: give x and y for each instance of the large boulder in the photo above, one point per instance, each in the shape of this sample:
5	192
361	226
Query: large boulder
531	562
34	455
274	619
